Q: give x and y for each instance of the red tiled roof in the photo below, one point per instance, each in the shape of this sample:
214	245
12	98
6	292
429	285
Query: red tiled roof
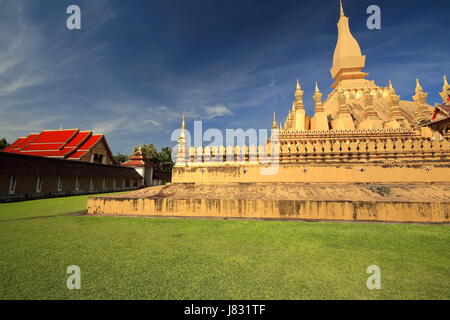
21	143
42	147
86	146
133	163
79	139
137	160
77	155
55	136
14	144
66	144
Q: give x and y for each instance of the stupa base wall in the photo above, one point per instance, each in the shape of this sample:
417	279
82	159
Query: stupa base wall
432	172
421	212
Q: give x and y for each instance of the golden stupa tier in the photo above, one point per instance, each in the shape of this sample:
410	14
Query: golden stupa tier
359	108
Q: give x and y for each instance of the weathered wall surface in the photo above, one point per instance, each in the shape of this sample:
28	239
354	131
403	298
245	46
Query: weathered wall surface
315	173
434	212
27	170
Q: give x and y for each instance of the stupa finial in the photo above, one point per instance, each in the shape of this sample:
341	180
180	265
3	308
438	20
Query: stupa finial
391	88
342	9
298	85
183	128
274	122
445	80
418	86
317	98
138	151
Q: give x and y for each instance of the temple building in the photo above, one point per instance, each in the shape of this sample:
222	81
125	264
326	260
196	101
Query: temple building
359	122
151	174
56	163
69	144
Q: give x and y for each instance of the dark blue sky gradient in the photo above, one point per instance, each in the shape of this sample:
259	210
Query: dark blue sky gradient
137	65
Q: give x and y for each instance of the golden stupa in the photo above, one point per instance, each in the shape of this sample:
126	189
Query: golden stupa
365	155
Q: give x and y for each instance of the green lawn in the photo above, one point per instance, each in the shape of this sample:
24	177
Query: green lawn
149	258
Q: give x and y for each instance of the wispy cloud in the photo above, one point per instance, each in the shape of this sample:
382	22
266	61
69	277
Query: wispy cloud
135	68
217	111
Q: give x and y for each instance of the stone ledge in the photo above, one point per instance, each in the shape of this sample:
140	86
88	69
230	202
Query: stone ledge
419	212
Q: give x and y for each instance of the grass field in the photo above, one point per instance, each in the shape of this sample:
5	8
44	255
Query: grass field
149	258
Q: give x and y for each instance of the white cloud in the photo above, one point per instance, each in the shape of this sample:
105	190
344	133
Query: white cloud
216	111
151	121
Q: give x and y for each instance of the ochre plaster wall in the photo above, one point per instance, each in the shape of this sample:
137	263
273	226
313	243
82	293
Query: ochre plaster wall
310	173
434	212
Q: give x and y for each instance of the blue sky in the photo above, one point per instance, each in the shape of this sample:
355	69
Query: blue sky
136	66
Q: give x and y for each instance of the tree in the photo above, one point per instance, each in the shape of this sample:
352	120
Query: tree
149	152
165	158
3	143
120	158
162	159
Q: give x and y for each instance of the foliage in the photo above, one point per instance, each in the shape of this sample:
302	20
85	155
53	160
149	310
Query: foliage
165	158
120	158
162	159
3	143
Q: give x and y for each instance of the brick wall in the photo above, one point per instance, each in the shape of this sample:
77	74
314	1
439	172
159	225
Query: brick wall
60	177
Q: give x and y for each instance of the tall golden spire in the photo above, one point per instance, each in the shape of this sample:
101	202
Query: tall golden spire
183	128
181	155
274	122
348	60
